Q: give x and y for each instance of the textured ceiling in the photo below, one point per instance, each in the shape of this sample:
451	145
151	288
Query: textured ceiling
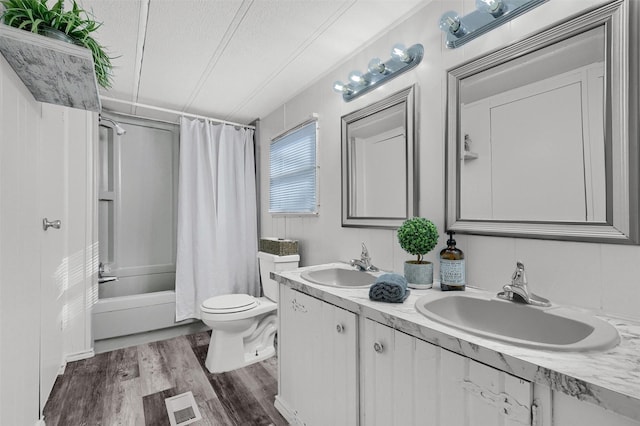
234	60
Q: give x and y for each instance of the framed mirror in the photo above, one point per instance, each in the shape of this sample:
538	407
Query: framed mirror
378	172
539	138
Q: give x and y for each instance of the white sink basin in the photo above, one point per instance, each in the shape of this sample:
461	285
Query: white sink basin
553	328
339	277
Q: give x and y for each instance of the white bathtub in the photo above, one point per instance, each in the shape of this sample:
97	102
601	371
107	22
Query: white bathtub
137	313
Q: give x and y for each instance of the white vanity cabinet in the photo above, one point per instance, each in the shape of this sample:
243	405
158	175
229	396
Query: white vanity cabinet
317	350
407	381
339	368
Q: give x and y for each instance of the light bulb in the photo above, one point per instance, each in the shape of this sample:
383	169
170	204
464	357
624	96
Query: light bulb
376	66
494	7
399	51
340	87
357	78
450	22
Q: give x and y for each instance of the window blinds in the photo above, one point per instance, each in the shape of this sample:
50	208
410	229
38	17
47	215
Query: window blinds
292	173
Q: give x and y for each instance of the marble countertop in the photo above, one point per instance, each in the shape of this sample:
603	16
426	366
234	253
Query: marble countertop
610	379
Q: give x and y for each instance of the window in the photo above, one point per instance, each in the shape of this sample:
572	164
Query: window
292	172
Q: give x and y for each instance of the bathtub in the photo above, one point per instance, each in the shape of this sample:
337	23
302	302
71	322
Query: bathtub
125	315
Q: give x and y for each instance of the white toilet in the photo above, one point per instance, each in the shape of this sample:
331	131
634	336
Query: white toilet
243	327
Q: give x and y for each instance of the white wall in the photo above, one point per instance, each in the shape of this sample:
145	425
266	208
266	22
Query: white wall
30	291
597	276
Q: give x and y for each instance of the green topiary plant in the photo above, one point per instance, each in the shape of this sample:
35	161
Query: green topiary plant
35	16
418	236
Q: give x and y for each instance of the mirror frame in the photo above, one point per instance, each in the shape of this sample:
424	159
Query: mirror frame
621	132
406	96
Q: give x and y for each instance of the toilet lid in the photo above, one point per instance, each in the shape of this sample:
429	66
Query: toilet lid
229	303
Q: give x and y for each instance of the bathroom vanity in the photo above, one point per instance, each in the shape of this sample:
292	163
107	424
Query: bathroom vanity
347	360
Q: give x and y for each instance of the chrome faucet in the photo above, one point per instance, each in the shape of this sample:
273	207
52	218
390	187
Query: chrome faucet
520	288
102	278
364	263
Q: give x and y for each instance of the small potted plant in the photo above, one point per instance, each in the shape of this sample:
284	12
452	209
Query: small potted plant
418	236
74	26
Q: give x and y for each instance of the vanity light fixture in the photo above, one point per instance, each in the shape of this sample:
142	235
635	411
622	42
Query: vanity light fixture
357	78
494	7
489	14
378	72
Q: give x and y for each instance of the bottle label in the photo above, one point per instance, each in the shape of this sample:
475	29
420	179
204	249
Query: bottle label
452	272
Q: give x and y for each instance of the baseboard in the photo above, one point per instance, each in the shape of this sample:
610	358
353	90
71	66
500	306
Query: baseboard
77	356
288	414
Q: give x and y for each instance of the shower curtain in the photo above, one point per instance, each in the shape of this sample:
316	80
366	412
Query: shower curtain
217	215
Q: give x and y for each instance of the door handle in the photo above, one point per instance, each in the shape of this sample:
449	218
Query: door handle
46	224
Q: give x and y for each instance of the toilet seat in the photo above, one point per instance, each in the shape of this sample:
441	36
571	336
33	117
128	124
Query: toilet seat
229	304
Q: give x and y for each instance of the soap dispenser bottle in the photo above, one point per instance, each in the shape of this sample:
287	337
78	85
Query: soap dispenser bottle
452	267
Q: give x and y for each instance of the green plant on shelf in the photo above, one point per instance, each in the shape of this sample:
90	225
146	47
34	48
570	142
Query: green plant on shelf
77	24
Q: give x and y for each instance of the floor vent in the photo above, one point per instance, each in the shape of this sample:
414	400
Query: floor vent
182	409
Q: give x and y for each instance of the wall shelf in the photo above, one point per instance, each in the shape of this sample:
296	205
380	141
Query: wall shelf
54	71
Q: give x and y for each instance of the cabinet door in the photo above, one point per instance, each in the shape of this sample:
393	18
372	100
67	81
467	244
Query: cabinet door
568	410
475	394
318	361
407	381
399	383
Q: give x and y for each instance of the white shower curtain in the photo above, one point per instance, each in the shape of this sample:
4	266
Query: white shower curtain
217	215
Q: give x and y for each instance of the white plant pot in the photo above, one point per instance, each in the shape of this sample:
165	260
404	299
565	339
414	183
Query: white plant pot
419	275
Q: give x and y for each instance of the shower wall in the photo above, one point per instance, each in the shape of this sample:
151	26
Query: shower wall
137	187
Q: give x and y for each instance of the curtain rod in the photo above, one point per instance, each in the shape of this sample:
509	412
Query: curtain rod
172	111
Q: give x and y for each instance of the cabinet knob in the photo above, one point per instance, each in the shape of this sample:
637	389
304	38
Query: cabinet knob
378	347
340	328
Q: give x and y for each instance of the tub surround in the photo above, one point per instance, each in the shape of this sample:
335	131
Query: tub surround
610	379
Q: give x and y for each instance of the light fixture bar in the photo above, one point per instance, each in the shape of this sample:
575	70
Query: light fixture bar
481	21
402	60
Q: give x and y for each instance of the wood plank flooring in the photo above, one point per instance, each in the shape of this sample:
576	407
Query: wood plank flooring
128	387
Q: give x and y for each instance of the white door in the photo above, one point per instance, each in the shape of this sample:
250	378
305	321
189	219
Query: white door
54	273
19	252
43	171
406	381
318	361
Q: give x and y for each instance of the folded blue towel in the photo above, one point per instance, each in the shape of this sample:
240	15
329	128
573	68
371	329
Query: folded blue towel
390	288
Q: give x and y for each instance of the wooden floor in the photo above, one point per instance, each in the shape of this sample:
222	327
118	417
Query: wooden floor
128	387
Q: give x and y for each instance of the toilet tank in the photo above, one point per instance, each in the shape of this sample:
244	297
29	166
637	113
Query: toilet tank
273	263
